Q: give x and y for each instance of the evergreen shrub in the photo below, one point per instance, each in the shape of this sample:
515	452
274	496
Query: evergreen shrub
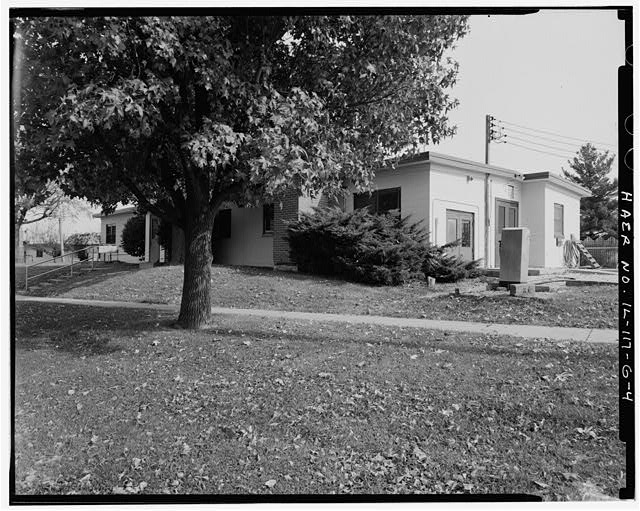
379	249
444	266
133	235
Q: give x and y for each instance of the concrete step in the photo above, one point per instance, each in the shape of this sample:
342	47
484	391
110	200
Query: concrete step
533	272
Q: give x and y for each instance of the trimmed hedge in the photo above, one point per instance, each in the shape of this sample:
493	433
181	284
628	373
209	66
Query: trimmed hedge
359	246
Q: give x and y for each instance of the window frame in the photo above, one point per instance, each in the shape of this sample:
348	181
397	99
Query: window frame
39	252
373	199
268	219
107	237
558	207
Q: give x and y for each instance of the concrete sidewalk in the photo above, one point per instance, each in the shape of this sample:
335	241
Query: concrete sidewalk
526	331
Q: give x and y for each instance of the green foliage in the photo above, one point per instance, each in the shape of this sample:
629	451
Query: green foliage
445	266
256	104
598	213
358	246
133	235
79	241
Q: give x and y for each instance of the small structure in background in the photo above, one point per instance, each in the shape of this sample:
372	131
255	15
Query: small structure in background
37	252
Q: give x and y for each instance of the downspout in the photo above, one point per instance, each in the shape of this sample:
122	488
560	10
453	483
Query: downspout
487	223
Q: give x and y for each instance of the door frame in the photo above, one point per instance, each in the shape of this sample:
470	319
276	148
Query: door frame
473	225
508	202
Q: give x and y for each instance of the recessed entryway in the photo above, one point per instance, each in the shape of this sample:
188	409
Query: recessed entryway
506	216
460	227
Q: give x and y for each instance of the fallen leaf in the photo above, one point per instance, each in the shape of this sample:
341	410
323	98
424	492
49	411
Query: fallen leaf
419	453
270	483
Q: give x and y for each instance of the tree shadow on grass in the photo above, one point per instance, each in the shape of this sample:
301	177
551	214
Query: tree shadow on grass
82	330
252	271
514	348
76	342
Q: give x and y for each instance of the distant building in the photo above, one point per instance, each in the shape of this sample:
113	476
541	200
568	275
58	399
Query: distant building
111	227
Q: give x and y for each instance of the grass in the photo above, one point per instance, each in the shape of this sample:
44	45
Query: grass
118	401
594	306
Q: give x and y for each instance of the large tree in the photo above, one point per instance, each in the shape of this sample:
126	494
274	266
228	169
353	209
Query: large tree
179	114
38	194
599	213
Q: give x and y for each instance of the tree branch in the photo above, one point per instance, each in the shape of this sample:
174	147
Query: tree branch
144	202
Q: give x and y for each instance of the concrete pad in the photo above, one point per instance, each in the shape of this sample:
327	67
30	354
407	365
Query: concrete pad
577	283
527	289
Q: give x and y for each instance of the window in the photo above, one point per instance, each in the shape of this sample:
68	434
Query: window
222	224
267	218
38	252
379	201
466	233
558	220
111	235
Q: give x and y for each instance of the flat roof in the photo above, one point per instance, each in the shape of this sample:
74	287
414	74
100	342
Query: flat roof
470	165
558	181
121	211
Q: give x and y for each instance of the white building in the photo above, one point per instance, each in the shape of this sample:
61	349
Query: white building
453	197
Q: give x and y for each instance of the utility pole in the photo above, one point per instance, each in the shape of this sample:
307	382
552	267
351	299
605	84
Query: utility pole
61	238
487	223
487	137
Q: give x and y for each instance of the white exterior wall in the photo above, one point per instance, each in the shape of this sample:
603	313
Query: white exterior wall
533	214
119	220
450	189
554	255
413	181
306	203
247	246
464	190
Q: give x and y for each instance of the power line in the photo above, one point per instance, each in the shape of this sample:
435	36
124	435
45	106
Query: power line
538	150
541	145
555	134
572	144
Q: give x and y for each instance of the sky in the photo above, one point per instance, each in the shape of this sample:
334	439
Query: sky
554	71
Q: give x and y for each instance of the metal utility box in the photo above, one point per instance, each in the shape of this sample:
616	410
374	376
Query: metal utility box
514	255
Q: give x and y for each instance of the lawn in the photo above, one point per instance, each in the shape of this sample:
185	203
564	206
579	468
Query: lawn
593	306
119	401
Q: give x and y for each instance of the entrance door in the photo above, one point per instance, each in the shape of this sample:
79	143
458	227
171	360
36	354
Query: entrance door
460	227
506	216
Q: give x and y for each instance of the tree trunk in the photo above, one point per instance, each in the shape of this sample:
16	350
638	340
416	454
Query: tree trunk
195	309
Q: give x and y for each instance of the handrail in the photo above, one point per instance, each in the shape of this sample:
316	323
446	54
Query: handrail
91	249
62	256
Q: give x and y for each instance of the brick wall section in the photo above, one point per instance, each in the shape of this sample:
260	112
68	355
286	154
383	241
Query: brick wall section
285	210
